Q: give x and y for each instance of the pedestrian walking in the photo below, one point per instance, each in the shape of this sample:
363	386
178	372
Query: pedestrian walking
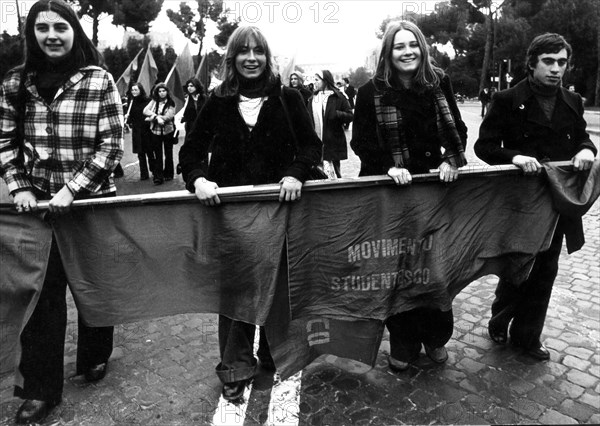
61	136
297	82
252	130
160	112
404	116
537	120
330	111
484	97
141	139
194	101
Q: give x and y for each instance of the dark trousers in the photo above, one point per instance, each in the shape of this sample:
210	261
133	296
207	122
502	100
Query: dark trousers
408	330
483	108
165	169
337	167
236	344
43	339
146	161
526	304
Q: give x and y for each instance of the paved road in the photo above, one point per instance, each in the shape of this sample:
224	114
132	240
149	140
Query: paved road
161	371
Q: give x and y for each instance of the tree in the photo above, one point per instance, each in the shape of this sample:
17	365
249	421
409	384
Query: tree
359	76
194	27
11	53
135	14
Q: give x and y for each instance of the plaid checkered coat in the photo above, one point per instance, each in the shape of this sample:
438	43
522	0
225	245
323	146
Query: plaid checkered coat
77	140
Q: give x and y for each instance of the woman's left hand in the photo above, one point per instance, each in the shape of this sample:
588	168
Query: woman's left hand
448	173
291	189
61	202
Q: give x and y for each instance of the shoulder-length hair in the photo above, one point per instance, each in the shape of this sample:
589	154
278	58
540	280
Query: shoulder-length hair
427	75
300	79
197	84
156	97
229	74
142	95
83	53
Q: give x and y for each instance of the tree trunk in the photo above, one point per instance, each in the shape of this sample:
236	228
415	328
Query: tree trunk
597	100
489	29
95	31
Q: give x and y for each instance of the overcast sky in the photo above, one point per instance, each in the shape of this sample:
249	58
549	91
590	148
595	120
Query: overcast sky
340	32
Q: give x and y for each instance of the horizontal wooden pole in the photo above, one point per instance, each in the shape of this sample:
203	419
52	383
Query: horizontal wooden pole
270	192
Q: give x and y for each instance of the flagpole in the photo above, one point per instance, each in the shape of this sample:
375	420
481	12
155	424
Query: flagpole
270	192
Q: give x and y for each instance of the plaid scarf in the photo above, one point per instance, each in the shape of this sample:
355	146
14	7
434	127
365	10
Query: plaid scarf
391	130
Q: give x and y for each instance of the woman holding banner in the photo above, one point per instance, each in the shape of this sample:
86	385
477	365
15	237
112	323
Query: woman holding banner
250	131
404	117
61	136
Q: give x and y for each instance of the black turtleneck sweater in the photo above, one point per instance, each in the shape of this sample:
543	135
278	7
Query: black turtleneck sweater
545	95
51	76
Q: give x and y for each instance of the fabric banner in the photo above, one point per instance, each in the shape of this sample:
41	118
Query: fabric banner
133	263
24	251
354	256
358	256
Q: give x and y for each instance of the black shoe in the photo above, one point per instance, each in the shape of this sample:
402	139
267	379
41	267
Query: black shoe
158	181
118	171
540	353
498	332
144	177
234	390
97	372
34	411
438	355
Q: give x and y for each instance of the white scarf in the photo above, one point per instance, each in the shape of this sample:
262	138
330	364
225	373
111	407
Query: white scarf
249	109
319	105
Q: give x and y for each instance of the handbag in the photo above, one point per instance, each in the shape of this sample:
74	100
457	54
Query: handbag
316	172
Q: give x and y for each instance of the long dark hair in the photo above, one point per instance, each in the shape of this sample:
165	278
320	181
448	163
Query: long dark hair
83	53
240	38
427	76
142	96
156	97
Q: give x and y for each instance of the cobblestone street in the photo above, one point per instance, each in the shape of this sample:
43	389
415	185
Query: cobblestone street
162	371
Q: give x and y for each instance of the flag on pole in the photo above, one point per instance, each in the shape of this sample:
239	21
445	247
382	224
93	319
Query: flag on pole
202	72
174	83
288	70
123	81
185	64
148	72
182	71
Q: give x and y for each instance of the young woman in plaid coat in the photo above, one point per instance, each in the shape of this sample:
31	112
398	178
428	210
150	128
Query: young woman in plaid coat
61	136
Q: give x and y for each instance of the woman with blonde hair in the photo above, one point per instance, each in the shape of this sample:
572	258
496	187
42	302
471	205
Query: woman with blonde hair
251	130
407	121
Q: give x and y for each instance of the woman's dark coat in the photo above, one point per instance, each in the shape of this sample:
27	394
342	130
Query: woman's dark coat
337	113
240	157
192	109
421	127
140	129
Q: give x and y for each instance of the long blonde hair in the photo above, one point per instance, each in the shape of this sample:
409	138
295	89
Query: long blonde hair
427	75
230	76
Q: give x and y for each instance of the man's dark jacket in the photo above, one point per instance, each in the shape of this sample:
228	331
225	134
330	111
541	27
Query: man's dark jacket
516	125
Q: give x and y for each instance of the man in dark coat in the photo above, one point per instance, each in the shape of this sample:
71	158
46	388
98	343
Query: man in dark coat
484	97
535	121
